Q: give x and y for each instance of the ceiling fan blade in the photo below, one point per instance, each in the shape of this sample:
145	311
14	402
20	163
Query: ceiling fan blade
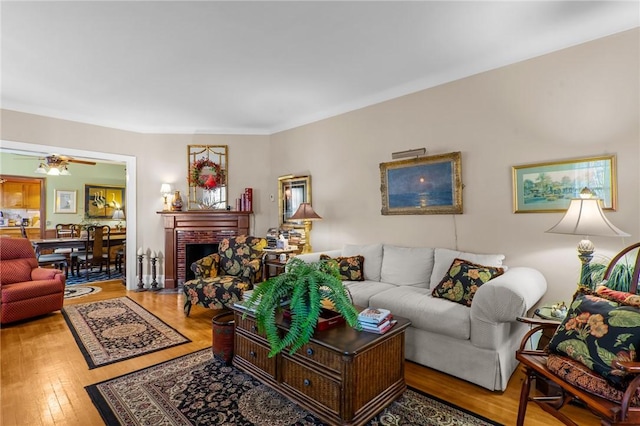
73	160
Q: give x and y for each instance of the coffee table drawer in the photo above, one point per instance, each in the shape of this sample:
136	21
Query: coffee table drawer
256	354
323	356
248	324
316	386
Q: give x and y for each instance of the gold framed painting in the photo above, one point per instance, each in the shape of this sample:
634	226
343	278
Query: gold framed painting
101	201
423	185
549	187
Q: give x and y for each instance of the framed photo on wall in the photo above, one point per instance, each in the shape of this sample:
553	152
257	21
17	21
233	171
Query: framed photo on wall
423	185
549	187
65	201
101	201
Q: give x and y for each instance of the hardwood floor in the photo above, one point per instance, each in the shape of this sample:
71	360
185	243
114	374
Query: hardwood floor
43	373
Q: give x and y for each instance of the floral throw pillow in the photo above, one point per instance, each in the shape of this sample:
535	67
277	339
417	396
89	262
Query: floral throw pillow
463	280
597	331
350	267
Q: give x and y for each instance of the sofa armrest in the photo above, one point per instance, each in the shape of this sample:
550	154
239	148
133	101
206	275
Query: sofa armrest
41	274
509	296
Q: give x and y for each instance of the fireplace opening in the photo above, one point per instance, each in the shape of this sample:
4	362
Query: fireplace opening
196	251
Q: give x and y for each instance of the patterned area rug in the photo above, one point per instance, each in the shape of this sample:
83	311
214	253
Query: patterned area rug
113	330
197	389
72	292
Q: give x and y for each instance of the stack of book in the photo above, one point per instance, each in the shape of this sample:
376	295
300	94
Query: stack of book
376	320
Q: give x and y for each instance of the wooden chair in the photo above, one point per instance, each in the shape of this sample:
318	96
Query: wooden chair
56	260
98	239
612	405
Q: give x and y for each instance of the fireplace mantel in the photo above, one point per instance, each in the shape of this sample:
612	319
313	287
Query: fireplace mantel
196	226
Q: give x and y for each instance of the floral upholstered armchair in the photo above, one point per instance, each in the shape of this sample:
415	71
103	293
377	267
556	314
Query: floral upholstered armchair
221	278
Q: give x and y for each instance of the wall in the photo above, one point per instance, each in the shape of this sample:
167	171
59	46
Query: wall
579	102
101	173
159	159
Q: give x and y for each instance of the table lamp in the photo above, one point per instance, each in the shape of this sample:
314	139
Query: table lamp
585	217
306	214
165	190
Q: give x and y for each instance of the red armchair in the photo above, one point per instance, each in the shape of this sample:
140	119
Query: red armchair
26	290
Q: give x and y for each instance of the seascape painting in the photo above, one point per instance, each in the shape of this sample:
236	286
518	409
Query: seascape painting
425	185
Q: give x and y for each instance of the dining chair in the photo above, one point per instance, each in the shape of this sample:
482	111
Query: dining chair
98	239
75	231
56	260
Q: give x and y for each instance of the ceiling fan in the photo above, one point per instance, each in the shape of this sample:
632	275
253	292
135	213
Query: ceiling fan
56	165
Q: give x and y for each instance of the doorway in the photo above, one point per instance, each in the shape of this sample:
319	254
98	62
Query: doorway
130	194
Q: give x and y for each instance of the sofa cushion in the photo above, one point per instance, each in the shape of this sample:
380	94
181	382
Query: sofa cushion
350	268
443	258
425	311
597	331
406	265
463	280
361	291
372	258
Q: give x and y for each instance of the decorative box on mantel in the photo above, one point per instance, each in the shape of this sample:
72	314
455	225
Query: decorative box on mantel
197	227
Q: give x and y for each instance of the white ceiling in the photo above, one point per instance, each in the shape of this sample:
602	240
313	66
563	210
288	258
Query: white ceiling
261	67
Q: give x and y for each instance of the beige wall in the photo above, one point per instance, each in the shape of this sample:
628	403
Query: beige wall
578	102
583	101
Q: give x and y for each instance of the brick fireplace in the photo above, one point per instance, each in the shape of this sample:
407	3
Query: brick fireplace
196	227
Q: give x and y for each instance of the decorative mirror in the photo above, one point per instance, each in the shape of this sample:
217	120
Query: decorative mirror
292	191
207	180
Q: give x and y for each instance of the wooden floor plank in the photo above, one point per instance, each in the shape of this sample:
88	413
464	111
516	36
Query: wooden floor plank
43	373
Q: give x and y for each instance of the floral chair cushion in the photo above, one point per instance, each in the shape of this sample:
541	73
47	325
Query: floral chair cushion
582	377
237	253
597	331
222	278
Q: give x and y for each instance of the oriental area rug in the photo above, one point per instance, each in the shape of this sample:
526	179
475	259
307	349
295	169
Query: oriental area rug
75	291
198	389
113	330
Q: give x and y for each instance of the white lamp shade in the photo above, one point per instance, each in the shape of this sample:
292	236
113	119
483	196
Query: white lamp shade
585	217
165	188
118	215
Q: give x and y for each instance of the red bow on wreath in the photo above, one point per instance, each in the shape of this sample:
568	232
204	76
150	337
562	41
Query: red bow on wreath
210	183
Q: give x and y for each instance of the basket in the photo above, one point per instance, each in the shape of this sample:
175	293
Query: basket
222	336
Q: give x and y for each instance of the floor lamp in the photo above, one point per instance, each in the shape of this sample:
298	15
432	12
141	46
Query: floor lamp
585	217
306	214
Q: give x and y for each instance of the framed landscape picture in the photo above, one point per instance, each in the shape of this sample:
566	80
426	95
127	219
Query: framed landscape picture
423	185
101	201
65	201
549	187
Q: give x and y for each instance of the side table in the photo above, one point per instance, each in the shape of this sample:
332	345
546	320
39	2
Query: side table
547	387
271	264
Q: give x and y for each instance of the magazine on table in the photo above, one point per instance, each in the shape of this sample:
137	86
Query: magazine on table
381	329
374	316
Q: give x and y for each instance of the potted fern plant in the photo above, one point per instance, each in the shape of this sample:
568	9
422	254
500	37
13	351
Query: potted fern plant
304	286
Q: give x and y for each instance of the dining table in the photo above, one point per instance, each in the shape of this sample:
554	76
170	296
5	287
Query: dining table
40	244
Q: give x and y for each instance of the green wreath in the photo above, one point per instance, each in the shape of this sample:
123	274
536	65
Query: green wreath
211	181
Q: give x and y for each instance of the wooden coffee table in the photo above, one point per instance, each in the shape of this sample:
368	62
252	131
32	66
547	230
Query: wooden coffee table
343	376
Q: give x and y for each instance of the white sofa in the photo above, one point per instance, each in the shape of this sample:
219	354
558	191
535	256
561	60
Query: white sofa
476	343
